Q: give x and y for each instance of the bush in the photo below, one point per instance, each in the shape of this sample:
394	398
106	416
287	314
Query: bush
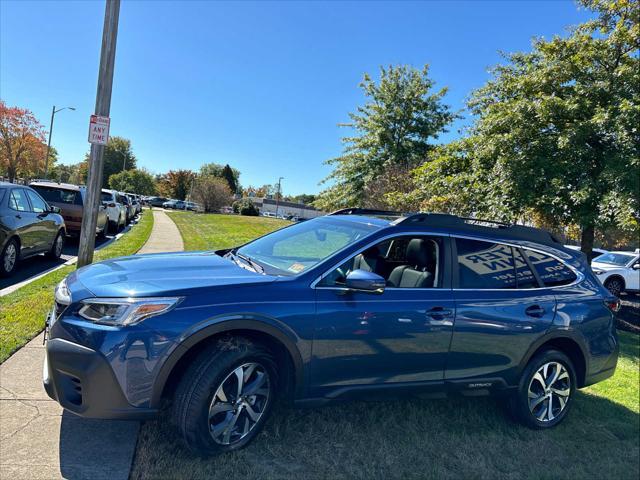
245	207
212	193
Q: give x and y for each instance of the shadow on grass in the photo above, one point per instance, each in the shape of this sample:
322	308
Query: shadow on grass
453	438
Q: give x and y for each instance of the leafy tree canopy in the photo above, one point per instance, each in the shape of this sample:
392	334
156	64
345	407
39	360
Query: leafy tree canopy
394	128
138	181
118	156
558	127
22	147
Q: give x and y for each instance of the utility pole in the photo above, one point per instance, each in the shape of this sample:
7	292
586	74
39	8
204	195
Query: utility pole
278	195
103	106
46	160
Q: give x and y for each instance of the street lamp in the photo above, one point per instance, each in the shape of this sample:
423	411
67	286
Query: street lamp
53	113
278	195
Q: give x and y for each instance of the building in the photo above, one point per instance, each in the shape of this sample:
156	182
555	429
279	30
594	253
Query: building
285	209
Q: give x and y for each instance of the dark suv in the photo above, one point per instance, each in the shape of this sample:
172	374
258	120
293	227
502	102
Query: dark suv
340	307
28	226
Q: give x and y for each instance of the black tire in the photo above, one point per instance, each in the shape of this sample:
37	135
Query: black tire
560	404
7	268
56	248
210	372
113	227
615	285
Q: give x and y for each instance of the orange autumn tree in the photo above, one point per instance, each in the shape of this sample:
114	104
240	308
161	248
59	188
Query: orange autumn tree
22	147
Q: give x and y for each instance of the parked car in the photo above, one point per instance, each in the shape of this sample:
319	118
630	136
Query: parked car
619	272
131	209
157	201
70	199
180	205
354	304
116	211
595	252
28	226
194	207
170	204
135	201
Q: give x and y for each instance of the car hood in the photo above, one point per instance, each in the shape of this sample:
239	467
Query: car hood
605	266
164	274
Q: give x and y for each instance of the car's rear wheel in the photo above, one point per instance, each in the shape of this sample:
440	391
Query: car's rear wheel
56	248
546	390
226	396
615	285
9	259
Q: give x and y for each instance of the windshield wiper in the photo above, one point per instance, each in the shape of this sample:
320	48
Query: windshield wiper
252	263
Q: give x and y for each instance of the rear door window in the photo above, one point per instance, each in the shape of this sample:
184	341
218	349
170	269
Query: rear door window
524	276
485	265
18	200
551	271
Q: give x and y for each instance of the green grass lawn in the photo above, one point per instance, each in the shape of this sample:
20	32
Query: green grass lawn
453	438
210	231
22	313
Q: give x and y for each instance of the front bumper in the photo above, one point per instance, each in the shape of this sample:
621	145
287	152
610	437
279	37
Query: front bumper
82	381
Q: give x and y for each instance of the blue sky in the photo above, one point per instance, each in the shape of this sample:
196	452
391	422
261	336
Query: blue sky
259	85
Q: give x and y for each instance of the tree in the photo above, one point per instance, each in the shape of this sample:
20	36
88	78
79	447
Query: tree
303	198
394	128
176	183
22	148
245	207
65	173
138	181
212	193
229	176
217	170
118	156
560	124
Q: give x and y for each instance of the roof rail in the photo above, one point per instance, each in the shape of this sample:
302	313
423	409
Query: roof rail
477	225
367	211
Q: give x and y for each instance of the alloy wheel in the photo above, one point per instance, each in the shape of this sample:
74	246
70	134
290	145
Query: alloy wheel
58	246
549	391
615	287
239	403
10	255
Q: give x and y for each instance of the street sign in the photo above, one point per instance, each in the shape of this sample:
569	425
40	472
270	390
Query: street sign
98	130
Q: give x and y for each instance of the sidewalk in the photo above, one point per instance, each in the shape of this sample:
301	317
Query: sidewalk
38	439
165	236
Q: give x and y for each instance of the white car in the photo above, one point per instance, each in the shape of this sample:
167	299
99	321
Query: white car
595	252
116	211
618	271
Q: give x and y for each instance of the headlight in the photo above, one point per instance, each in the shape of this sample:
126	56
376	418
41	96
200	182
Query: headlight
62	294
125	311
598	272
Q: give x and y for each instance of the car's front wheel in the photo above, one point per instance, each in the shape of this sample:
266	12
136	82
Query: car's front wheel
546	390
226	396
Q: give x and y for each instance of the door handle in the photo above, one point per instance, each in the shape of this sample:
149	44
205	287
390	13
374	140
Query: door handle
18	216
439	312
535	311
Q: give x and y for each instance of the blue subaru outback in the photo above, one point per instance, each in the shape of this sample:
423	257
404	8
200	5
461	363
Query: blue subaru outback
349	305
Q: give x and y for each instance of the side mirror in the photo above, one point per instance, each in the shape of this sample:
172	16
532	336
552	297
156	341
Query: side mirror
364	281
54	209
636	266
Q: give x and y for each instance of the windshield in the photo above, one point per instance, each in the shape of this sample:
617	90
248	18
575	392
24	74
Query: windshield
298	248
620	259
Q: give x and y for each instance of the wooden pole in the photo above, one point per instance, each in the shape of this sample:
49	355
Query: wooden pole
103	106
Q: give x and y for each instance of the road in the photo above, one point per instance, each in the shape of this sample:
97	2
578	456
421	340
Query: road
39	264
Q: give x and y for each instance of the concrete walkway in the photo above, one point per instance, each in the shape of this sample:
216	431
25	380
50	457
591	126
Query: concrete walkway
165	236
38	439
